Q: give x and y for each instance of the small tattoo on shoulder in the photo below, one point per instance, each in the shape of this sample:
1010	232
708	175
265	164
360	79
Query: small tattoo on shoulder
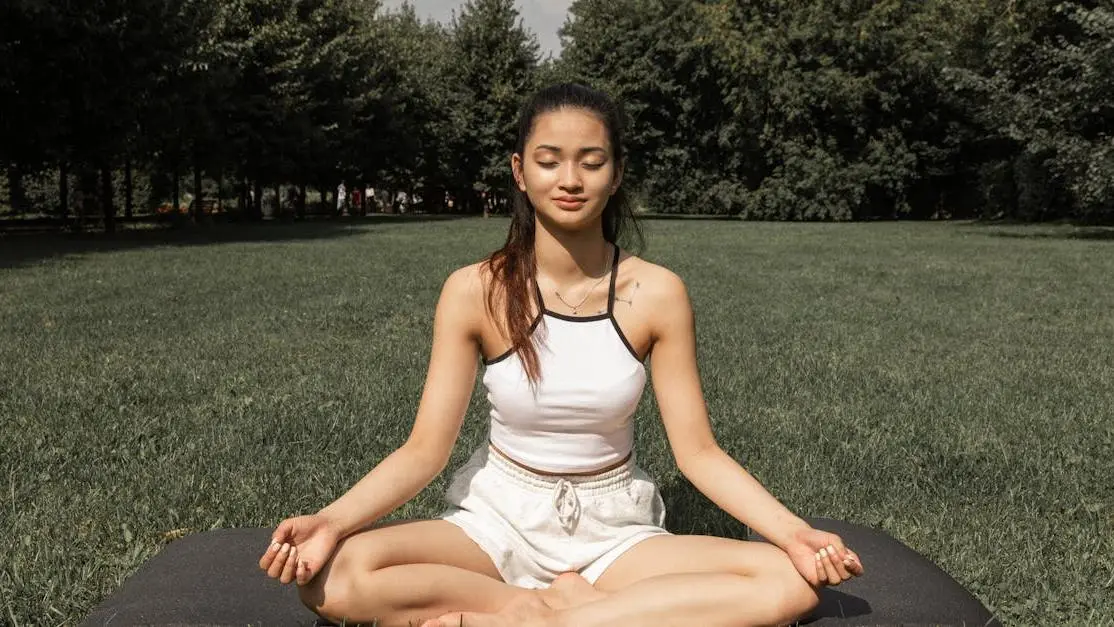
630	301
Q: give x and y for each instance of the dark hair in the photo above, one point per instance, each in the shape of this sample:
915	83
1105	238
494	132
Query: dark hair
513	267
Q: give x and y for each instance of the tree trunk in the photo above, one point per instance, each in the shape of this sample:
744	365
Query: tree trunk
301	209
107	204
175	191
257	205
220	190
198	196
128	188
87	185
278	201
63	191
242	199
16	196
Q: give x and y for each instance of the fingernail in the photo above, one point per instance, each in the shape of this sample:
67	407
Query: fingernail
818	557
831	549
823	552
285	547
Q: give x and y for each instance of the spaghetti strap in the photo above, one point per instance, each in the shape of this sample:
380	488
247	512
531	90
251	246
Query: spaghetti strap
611	287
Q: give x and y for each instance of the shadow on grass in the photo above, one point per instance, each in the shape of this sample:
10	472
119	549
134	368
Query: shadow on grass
1043	231
24	248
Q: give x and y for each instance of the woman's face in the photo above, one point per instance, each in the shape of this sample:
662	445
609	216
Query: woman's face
567	169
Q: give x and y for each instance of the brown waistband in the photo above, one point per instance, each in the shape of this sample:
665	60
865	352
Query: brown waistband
560	474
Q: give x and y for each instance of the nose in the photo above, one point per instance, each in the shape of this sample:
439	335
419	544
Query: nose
570	177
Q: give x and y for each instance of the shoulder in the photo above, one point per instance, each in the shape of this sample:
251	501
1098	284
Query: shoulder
466	282
462	294
662	292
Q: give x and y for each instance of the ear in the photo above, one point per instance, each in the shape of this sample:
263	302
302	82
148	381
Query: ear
516	170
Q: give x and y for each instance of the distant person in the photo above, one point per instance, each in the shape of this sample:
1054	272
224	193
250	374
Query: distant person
357	204
551	521
341	197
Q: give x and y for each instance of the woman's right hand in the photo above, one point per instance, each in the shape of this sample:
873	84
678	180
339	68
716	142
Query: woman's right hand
299	549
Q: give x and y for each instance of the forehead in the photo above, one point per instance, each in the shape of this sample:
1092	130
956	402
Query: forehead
569	128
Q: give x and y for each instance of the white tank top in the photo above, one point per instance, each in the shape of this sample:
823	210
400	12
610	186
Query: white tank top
579	420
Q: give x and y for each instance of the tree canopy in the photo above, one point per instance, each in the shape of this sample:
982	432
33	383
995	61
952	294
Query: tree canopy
772	109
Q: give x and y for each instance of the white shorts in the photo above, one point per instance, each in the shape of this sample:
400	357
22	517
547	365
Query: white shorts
535	527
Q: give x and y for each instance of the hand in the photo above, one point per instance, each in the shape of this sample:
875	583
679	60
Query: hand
299	548
821	557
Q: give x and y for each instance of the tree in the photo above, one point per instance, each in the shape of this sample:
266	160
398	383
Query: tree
495	64
1044	94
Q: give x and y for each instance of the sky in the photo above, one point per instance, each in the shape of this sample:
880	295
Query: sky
543	17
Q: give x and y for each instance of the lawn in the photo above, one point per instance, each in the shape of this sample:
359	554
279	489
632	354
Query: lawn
952	384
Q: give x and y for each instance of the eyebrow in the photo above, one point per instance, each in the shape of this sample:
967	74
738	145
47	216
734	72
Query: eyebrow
582	150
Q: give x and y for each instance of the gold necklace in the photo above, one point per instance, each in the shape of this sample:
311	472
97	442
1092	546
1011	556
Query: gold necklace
575	308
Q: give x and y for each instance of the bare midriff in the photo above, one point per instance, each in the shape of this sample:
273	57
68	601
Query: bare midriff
549	473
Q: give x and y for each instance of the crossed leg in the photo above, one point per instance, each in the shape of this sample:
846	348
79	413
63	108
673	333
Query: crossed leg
674	580
400	574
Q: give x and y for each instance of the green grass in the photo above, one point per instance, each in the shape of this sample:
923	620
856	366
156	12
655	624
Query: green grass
952	384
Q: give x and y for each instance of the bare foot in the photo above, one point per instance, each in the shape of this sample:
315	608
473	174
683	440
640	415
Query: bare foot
570	590
528	610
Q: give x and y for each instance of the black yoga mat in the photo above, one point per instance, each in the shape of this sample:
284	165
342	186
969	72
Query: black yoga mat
213	578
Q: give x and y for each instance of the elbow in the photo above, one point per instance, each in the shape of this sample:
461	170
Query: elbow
690	460
429	458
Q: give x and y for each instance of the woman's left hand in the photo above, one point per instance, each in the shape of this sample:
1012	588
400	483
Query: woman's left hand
821	557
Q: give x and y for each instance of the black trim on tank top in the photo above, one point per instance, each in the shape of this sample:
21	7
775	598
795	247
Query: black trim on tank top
611	306
623	337
507	353
611	285
609	315
594	317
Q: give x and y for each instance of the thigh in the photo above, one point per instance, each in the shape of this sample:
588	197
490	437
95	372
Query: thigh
674	554
410	542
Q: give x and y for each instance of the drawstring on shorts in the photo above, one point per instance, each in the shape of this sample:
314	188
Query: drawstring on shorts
567	504
566	490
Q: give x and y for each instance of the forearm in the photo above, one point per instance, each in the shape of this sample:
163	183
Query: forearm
394	481
737	492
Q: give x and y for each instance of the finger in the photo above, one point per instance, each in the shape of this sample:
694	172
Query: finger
829	570
280	562
300	573
821	572
291	565
269	555
855	565
836	542
284	532
837	563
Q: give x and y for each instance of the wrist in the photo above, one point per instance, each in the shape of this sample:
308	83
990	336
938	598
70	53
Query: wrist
336	522
789	535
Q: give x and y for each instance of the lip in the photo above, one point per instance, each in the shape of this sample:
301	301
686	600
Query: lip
569	202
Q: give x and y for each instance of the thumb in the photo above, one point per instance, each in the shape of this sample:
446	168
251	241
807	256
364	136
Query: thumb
284	532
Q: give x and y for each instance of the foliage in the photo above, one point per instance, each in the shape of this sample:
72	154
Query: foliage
772	109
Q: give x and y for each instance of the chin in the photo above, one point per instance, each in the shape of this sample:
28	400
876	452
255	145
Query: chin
573	220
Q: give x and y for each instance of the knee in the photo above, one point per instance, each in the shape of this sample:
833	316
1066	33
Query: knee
794	598
332	594
799	598
328	596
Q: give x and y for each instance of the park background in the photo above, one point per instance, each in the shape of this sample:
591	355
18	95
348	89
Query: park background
939	367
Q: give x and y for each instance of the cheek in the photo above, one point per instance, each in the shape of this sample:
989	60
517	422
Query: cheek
537	178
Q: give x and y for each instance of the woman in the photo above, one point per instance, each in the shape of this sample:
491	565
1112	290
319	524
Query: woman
552	522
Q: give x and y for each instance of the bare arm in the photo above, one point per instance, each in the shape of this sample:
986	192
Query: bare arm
685	415
448	389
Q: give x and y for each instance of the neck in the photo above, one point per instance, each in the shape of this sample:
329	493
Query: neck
569	257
